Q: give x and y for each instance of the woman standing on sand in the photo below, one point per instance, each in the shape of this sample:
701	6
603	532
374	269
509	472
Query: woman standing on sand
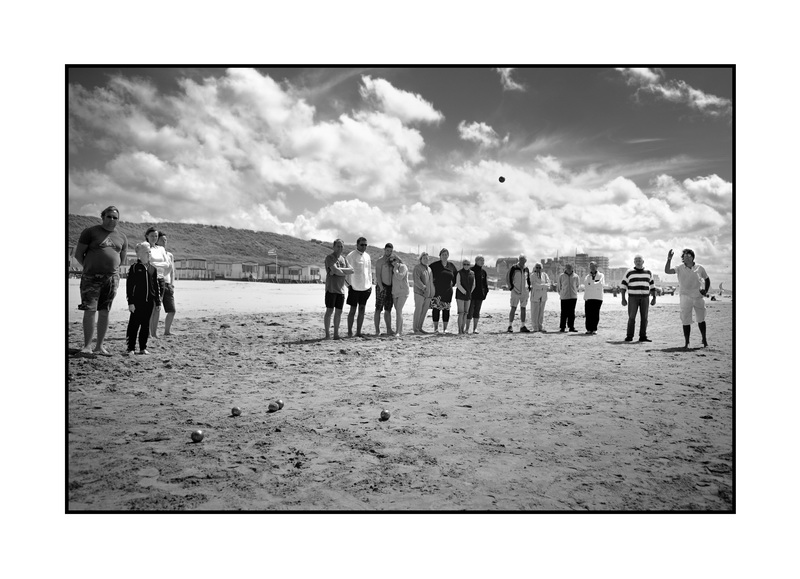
423	292
159	260
400	290
444	278
168	298
465	283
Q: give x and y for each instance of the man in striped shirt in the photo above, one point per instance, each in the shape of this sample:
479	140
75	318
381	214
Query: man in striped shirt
639	284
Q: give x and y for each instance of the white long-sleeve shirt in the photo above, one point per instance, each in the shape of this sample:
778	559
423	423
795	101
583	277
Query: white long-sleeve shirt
593	287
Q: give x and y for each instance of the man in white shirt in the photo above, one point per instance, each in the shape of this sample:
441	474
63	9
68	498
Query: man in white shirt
360	282
690	278
593	297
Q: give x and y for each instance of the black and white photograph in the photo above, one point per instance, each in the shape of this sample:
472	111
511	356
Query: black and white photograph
400	289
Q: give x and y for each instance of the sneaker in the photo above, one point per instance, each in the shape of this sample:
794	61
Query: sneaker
143	353
562	330
628	339
645	340
573	330
588	332
129	352
524	330
101	351
474	331
509	330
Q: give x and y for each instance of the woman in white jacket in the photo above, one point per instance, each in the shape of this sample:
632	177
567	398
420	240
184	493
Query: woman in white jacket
593	297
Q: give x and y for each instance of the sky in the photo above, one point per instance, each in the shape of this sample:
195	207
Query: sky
605	161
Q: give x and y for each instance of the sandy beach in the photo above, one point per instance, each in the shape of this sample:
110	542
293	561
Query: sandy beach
490	422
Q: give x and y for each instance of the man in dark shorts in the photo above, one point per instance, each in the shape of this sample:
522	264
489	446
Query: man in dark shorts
100	250
360	282
336	268
383	290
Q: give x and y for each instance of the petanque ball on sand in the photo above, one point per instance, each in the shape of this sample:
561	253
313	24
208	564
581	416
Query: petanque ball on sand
273	407
385	415
236	411
280	404
502	179
197	435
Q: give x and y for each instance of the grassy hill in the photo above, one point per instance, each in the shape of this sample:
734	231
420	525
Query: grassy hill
218	243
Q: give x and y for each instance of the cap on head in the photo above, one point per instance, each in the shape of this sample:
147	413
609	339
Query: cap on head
388	246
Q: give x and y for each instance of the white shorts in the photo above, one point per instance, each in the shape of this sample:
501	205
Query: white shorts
519	300
688	303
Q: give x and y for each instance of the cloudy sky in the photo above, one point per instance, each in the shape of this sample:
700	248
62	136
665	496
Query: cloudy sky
605	161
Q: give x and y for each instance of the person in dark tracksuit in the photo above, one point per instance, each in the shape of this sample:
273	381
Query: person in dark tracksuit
143	296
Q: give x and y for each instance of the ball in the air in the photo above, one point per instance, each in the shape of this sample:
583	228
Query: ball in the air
502	179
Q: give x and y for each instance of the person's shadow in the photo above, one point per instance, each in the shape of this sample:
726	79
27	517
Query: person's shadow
682	349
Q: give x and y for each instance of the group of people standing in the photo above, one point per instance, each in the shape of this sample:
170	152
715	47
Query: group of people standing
435	284
150	283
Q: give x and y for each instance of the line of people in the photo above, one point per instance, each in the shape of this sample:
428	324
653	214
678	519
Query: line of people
150	284
435	284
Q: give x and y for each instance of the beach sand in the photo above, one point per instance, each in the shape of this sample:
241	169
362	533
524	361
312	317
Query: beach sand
490	422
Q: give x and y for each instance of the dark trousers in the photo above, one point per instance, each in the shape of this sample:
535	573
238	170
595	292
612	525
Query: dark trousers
139	321
638	304
445	315
592	314
568	313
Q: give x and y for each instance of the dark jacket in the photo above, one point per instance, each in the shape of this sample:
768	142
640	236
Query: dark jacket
142	284
481	283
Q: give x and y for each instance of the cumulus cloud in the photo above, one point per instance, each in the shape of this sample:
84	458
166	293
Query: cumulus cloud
480	133
406	106
506	80
651	82
241	137
641	76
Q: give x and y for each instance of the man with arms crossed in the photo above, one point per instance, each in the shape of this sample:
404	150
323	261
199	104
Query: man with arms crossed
100	251
639	283
360	282
690	275
336	268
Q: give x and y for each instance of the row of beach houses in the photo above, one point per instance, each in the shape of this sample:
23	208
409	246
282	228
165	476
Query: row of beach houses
203	269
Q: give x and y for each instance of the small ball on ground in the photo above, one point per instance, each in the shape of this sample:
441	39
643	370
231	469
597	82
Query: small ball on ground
197	435
236	411
385	415
273	407
280	404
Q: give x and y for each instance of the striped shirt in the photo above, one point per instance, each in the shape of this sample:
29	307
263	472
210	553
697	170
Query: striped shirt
638	282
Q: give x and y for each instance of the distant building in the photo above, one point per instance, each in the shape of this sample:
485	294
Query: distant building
194	268
601	261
